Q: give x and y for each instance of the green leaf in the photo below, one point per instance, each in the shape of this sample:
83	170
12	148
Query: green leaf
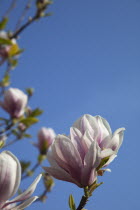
48	182
15	132
5	81
29	121
13	62
36	112
1	144
3	23
72	203
94	186
30	91
103	162
14	50
25	165
5	41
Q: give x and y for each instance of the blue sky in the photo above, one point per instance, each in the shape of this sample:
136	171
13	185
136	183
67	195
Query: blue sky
86	59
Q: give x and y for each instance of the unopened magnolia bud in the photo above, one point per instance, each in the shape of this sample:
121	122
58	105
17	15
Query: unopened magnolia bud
21	127
45	139
14	102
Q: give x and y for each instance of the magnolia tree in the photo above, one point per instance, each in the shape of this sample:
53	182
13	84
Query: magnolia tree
79	158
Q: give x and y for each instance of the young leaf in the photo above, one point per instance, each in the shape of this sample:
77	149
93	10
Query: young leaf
29	121
36	112
5	81
3	23
72	203
14	49
5	41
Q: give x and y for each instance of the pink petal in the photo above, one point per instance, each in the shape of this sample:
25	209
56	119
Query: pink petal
60	174
76	138
92	160
67	157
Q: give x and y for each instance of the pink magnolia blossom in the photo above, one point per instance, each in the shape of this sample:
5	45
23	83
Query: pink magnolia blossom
10	176
99	130
70	162
78	158
45	139
14	102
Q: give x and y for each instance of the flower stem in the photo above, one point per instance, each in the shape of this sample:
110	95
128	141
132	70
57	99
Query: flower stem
84	199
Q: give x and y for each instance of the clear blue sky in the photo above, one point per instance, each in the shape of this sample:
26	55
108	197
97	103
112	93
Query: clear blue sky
86	59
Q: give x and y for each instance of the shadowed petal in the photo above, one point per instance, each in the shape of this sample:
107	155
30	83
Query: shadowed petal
91	162
76	138
67	157
60	174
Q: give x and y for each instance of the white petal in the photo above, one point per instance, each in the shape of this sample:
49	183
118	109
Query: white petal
10	175
27	193
106	153
25	203
87	122
103	131
118	137
112	157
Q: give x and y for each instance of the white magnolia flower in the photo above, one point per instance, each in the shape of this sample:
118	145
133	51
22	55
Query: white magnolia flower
10	177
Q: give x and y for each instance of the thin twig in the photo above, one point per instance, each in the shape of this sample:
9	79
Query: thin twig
25	10
11	7
31	20
6	128
10	143
32	170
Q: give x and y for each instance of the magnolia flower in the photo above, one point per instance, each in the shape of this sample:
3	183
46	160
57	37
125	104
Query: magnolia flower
14	102
71	162
45	139
99	130
10	176
79	157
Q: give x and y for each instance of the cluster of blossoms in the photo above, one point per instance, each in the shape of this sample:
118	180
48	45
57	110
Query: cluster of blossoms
8	46
80	157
